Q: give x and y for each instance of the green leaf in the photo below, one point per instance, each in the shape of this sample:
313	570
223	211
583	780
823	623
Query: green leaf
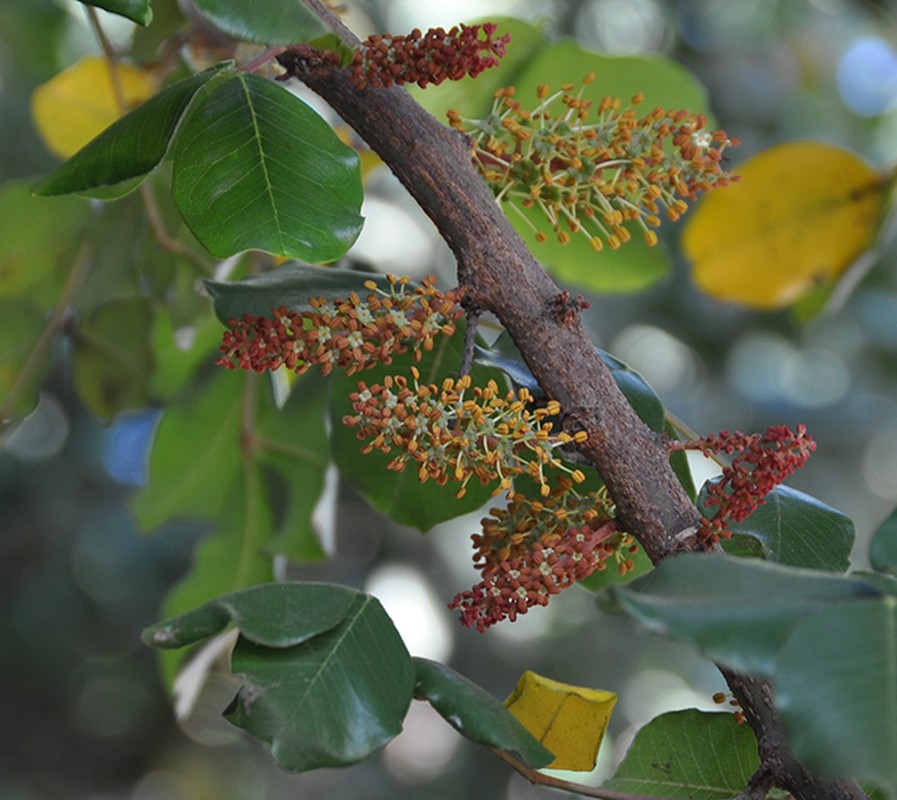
195	461
113	361
38	237
294	453
21	325
475	713
256	168
690	753
333	700
264	21
138	11
326	677
291	285
737	611
399	495
836	690
797	530
273	615
883	546
132	146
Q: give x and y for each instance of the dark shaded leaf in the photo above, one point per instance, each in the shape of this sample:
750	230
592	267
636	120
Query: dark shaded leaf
138	11
797	530
264	21
738	611
475	713
291	285
836	689
883	547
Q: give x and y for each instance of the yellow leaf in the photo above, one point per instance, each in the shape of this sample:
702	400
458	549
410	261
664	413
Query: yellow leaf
568	720
77	104
801	213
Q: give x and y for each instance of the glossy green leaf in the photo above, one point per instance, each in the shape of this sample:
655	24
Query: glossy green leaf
38	240
798	530
475	713
273	615
738	611
836	690
264	21
113	360
138	11
326	677
333	700
690	753
21	325
257	169
131	146
292	285
399	495
883	546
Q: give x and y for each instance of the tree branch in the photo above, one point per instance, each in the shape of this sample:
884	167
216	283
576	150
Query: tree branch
500	274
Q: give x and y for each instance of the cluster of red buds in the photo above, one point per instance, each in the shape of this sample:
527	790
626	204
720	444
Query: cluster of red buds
533	549
763	462
458	432
425	58
591	174
350	334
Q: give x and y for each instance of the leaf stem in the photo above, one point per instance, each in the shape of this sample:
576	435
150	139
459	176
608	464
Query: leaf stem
536	777
33	362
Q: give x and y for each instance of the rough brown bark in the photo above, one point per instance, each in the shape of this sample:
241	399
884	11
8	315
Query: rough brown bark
501	275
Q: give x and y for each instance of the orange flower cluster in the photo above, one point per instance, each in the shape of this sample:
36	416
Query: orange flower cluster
591	174
458	432
425	58
351	334
534	549
763	462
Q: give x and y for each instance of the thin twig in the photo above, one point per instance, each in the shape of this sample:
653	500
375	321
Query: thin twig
536	777
34	361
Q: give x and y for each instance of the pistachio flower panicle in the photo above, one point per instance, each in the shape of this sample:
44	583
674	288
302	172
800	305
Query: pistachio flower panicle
350	334
457	431
763	461
383	60
591	170
533	549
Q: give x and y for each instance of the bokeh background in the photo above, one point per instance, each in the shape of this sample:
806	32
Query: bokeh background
84	712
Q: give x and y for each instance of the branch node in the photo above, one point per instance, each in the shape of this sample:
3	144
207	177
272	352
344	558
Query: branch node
566	309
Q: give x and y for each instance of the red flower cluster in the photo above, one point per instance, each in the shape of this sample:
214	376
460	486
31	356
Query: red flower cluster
351	334
533	549
431	57
762	463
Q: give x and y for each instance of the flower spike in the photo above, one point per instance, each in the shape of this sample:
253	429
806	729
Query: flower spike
590	170
351	334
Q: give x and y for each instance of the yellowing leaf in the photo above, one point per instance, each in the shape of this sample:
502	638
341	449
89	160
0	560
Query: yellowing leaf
568	720
801	213
77	104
